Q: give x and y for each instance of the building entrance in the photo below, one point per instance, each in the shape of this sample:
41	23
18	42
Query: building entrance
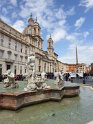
8	66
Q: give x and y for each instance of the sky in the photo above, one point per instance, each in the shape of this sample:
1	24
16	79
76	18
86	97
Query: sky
69	22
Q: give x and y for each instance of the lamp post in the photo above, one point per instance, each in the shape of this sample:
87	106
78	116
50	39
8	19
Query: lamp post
76	63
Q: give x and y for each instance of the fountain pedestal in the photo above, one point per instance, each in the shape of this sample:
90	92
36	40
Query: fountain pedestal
16	100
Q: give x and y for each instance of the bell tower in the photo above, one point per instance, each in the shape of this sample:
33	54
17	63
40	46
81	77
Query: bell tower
50	46
37	28
32	32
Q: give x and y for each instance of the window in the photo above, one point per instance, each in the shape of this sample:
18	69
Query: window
35	42
9	54
35	31
15	55
9	39
30	31
25	70
1	54
2	40
15	70
26	59
20	69
2	36
38	44
21	58
26	50
49	44
39	68
21	48
15	46
9	45
39	65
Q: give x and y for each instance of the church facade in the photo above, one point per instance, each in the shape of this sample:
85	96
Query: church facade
15	48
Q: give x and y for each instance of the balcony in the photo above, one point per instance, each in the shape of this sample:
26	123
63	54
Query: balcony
8	60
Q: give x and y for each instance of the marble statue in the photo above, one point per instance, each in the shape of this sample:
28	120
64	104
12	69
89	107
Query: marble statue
43	76
31	67
10	80
35	81
59	78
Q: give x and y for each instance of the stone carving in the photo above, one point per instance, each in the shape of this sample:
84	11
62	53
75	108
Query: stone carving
43	76
59	78
31	68
35	81
10	80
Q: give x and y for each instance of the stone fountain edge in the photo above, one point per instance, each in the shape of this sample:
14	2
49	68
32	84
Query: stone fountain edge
16	100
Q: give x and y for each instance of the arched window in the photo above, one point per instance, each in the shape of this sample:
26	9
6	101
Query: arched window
34	31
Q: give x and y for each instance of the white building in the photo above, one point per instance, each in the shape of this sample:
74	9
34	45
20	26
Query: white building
15	48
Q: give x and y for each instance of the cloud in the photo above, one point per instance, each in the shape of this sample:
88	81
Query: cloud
71	11
59	34
79	22
88	4
77	36
86	34
51	18
4	10
5	19
19	25
71	37
13	2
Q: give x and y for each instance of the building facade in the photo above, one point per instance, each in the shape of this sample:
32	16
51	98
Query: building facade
73	67
15	48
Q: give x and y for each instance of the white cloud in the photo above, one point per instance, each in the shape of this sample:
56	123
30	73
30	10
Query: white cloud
51	19
71	11
4	10
77	36
5	19
59	34
13	2
87	3
85	34
71	38
79	22
19	25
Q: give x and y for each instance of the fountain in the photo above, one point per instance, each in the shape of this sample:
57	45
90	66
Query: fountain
75	110
38	89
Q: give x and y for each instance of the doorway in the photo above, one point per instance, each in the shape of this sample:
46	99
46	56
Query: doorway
8	66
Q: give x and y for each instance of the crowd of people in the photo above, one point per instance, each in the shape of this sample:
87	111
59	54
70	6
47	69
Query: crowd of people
50	75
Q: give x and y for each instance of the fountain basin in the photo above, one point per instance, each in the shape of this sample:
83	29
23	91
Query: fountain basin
16	100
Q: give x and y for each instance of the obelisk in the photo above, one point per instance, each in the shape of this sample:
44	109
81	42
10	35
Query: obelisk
76	60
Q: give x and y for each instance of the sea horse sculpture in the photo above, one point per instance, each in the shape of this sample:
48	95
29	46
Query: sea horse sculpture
10	80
